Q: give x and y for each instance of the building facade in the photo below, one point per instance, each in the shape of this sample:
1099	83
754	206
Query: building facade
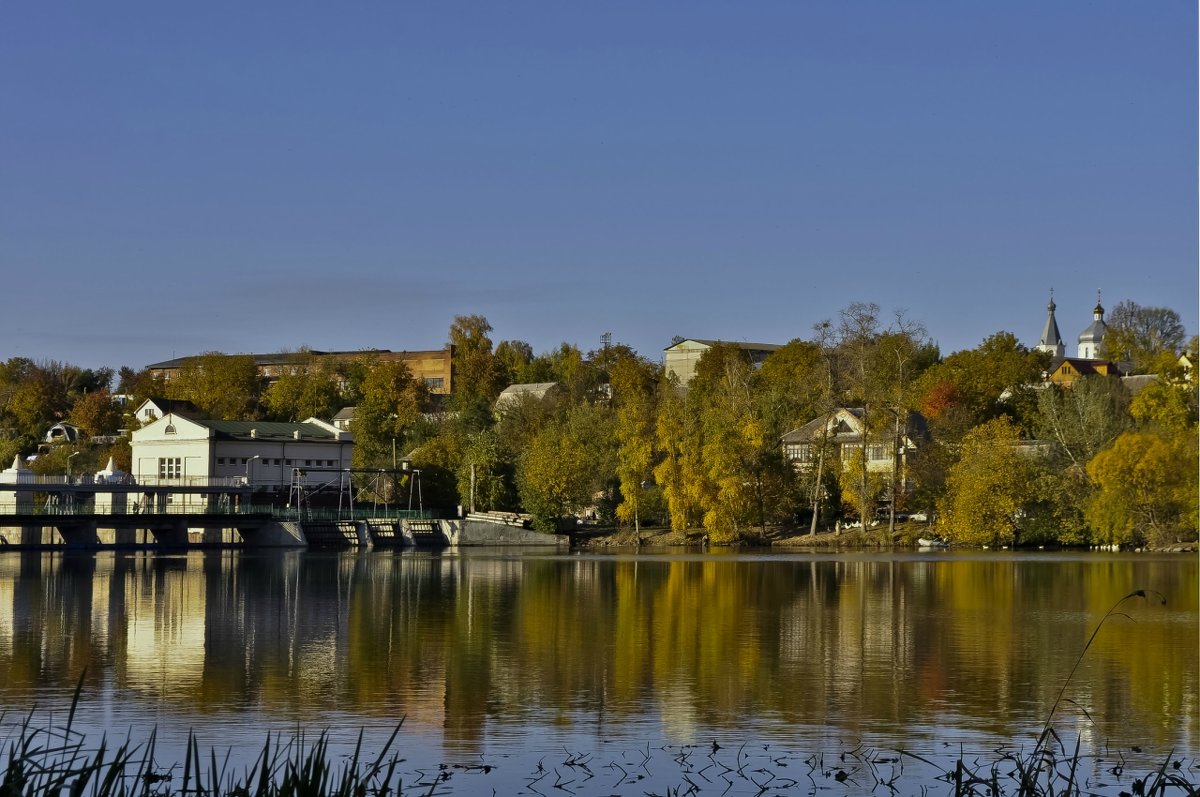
680	359
184	450
842	434
435	368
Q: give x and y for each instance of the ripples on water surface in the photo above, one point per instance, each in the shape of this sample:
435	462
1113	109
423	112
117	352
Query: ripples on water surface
524	659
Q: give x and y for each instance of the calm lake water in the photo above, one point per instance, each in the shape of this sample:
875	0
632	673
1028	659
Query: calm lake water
613	674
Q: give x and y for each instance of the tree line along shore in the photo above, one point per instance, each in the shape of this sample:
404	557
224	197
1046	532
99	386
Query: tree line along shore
978	443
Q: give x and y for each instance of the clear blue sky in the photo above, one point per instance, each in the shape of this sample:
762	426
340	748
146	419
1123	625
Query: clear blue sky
254	177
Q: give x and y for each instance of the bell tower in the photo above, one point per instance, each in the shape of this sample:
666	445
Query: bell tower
1051	341
1091	340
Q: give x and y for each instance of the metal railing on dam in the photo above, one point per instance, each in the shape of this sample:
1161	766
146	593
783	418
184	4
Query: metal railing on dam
33	481
52	511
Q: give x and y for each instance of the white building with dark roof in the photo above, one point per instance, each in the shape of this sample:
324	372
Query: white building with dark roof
154	408
186	450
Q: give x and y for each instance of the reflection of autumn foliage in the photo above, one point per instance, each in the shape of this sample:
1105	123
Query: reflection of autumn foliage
460	644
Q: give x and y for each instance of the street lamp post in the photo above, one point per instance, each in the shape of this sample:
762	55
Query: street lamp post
69	458
250	462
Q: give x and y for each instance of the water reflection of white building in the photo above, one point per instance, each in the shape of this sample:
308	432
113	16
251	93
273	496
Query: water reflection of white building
165	627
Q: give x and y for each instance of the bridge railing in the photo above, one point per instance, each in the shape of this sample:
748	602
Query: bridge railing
58	480
89	506
358	513
130	509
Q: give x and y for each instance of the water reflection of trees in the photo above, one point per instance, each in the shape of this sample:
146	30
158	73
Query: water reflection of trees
461	643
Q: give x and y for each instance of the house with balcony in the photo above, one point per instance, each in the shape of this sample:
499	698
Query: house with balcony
842	434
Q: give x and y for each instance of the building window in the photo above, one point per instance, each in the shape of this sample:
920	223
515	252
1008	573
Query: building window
877	452
170	429
170	467
797	452
434	382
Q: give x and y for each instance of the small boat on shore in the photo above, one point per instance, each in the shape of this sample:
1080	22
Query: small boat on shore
931	542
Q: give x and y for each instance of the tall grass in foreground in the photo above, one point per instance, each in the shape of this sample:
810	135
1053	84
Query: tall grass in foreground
1050	768
55	761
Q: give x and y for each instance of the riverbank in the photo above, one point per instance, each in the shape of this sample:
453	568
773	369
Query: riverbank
905	535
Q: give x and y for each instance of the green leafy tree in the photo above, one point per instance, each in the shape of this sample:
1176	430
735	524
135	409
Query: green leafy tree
988	488
308	389
33	406
860	487
732	443
677	472
97	413
390	408
141	385
223	386
34	396
1143	335
493	473
1081	420
902	354
566	465
477	373
633	382
821	482
975	385
877	367
966	389
569	367
789	387
1164	405
513	358
1074	424
1146	489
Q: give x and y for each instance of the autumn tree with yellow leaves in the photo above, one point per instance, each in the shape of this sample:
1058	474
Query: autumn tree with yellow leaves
988	489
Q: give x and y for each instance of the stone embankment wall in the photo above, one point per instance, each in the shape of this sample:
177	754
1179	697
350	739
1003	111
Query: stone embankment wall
470	532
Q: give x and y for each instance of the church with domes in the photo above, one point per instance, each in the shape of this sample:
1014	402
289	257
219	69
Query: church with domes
1089	359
